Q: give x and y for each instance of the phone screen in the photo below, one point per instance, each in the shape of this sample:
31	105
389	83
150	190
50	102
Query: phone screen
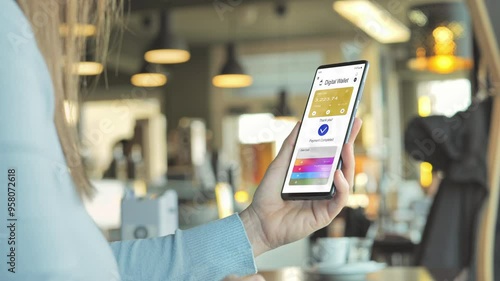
331	106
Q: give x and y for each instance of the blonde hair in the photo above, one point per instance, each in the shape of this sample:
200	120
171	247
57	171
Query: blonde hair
61	52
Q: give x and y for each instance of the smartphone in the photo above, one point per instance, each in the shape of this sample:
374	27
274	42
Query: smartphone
326	124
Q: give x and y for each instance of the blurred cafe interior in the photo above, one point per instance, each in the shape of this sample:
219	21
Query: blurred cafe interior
196	98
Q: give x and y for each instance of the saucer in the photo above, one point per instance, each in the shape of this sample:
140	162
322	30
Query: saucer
345	272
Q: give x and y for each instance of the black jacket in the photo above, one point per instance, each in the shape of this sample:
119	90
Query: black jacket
456	146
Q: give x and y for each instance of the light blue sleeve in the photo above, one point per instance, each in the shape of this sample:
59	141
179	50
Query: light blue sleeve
208	252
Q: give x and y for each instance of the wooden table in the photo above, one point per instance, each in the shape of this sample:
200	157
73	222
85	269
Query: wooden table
387	274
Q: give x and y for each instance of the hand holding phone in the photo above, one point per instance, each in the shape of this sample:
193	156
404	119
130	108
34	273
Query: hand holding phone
325	128
271	222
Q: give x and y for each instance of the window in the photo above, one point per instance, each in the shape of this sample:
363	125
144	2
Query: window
444	97
271	72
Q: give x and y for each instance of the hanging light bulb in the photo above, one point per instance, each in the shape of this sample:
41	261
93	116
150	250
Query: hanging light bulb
149	76
167	48
232	74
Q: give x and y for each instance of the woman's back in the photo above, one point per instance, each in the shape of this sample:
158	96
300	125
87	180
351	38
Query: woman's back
47	234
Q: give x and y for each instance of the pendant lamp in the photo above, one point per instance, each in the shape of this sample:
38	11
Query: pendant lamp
149	76
232	74
167	48
441	39
89	66
282	108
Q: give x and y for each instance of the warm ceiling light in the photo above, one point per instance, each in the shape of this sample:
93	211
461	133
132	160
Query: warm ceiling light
80	30
167	48
442	43
232	74
374	20
442	64
150	75
447	64
232	80
167	56
148	79
88	68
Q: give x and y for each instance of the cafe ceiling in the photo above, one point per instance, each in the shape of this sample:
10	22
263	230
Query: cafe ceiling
209	22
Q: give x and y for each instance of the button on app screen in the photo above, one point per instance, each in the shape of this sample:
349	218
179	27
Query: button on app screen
323	129
313	166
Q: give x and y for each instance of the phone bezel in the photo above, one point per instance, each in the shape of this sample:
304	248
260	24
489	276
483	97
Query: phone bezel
359	94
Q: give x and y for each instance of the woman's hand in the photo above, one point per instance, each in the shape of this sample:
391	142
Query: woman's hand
271	222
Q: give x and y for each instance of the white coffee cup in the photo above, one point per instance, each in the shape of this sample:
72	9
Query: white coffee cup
331	251
360	249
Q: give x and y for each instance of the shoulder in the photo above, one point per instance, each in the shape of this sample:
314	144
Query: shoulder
17	40
26	92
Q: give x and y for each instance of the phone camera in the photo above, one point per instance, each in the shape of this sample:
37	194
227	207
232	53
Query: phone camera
355	79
